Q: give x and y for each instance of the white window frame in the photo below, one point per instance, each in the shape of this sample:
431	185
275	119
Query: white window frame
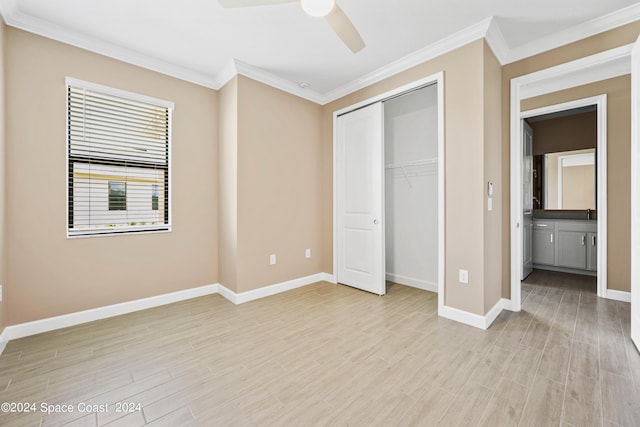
107	90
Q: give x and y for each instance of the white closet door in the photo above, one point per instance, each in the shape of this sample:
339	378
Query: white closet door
635	194
360	199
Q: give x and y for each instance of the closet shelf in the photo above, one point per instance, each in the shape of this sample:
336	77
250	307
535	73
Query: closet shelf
422	162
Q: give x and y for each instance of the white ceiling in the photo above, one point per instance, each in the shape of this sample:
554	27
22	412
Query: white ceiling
198	40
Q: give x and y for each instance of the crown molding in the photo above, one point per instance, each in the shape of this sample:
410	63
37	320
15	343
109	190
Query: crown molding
269	79
14	18
496	41
452	42
582	31
225	74
487	29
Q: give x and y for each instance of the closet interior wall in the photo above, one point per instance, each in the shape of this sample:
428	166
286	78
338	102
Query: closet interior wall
411	188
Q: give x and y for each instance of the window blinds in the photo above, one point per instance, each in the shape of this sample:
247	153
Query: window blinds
118	157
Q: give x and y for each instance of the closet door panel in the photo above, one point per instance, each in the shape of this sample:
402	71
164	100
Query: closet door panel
359	199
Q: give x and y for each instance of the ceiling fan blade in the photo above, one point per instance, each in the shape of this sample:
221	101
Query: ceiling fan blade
344	28
249	3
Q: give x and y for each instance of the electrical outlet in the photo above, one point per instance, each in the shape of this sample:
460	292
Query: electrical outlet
307	253
463	276
272	259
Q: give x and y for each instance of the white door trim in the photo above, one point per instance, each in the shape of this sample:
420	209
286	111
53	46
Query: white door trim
635	197
604	65
437	78
600	101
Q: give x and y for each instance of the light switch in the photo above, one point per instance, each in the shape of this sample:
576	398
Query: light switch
307	253
272	259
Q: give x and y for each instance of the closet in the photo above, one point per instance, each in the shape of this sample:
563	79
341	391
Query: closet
387	192
411	188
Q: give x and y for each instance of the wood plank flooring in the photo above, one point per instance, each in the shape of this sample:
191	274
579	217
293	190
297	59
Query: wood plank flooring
329	355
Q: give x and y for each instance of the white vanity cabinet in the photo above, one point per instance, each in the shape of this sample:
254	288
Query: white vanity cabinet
565	245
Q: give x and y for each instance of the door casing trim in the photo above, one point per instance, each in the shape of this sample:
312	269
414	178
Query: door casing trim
438	79
600	101
601	66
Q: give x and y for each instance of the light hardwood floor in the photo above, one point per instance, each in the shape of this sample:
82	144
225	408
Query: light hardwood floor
331	355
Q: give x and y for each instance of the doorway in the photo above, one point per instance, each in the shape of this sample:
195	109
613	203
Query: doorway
371	172
584	237
560	193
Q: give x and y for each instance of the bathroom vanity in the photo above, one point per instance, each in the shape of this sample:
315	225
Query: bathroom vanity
566	243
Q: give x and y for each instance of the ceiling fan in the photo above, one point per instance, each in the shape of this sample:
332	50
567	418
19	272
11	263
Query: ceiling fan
334	15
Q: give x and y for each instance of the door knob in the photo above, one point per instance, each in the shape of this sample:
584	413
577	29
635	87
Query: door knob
375	221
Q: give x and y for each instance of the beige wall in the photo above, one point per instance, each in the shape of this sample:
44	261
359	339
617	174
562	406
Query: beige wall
47	273
565	133
228	184
465	119
279	186
618	92
3	230
276	179
492	173
619	268
270	186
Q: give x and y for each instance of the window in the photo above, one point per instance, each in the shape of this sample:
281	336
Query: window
117	196
118	161
154	197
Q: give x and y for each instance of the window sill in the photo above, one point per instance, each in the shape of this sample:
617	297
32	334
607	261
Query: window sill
109	233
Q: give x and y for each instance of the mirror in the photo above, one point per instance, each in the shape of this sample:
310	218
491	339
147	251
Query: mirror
565	180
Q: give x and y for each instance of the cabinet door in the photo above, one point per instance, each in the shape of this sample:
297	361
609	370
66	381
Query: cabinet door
572	249
592	251
527	250
544	248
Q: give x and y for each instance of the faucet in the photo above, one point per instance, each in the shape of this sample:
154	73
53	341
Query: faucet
588	214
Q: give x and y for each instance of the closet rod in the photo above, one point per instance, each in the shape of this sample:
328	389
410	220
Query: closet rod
422	162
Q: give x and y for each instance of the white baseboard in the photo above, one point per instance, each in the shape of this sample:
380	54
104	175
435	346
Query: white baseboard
414	283
58	322
618	295
331	278
495	311
3	340
475	320
228	294
239	298
623	296
507	304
